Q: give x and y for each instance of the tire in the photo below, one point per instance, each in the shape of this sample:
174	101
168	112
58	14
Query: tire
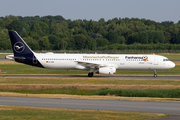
155	75
90	74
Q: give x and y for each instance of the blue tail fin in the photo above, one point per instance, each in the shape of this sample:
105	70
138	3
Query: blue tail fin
22	52
19	47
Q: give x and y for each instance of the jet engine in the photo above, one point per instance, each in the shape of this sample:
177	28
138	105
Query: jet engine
107	70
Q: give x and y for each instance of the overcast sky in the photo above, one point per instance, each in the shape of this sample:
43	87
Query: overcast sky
157	10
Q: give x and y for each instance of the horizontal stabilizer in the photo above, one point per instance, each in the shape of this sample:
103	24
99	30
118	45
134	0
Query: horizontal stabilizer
11	57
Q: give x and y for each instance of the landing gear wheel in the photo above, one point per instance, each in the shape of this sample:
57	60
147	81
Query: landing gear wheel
155	75
90	74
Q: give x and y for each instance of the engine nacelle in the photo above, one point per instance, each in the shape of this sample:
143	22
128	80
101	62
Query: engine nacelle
107	70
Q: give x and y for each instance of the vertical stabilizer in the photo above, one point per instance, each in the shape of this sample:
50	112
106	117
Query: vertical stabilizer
19	47
22	52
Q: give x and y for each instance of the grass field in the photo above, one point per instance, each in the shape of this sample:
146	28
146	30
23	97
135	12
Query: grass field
3	55
161	93
33	113
92	86
87	82
170	55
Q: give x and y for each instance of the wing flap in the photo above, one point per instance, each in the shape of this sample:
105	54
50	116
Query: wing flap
90	64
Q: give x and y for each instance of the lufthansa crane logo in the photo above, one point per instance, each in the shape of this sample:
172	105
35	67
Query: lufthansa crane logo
145	58
19	47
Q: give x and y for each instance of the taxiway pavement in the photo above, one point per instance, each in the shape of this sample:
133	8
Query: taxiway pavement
95	76
117	105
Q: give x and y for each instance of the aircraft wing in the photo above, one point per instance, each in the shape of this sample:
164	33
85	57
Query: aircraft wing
90	64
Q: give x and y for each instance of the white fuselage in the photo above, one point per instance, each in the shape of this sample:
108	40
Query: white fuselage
119	61
101	63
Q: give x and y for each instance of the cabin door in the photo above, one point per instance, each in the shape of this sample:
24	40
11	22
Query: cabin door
156	60
122	61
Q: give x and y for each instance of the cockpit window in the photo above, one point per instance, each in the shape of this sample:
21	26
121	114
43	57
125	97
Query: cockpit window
166	60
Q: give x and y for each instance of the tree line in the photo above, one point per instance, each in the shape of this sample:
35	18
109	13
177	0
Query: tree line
57	33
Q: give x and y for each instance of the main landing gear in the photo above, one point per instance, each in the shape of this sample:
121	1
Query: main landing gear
155	75
90	74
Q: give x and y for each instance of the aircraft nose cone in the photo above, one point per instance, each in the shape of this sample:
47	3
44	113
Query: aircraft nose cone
173	65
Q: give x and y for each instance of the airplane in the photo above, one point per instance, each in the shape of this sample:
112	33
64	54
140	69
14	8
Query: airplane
99	63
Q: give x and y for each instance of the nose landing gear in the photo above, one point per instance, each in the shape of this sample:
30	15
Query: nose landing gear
155	75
